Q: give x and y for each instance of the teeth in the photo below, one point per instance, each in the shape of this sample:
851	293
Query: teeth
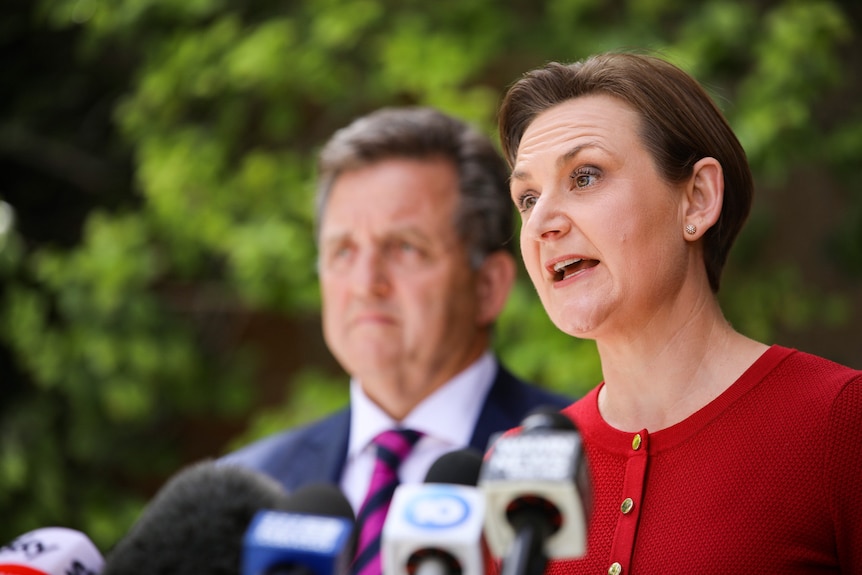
558	267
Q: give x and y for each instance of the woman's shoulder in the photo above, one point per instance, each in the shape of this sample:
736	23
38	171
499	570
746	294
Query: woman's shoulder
804	365
808	381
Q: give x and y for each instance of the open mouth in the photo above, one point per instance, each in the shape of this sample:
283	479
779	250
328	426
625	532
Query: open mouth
565	269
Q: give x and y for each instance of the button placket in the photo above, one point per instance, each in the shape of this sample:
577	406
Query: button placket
633	486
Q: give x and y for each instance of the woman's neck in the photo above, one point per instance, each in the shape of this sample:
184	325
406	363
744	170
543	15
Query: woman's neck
656	380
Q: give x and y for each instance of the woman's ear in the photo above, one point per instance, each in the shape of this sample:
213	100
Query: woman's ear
496	276
704	196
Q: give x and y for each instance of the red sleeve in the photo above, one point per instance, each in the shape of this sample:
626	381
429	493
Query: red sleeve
843	479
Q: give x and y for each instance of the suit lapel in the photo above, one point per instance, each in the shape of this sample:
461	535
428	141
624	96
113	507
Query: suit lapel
320	453
498	413
508	402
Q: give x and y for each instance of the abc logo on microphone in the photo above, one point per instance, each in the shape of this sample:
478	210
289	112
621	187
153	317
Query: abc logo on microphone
441	508
434	523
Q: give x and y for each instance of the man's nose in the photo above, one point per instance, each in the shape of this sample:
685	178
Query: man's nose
369	275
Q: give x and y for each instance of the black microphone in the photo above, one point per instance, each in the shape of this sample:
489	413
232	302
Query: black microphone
312	535
459	467
538	492
195	523
435	528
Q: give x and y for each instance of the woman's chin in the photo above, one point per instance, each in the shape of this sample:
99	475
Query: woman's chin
580	327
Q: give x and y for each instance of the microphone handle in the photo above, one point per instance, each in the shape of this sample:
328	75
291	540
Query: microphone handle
526	555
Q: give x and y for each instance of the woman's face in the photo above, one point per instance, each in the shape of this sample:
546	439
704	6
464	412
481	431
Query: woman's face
602	231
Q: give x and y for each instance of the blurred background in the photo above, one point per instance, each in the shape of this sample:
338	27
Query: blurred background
158	295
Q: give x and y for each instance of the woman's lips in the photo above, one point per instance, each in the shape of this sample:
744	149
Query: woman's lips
565	268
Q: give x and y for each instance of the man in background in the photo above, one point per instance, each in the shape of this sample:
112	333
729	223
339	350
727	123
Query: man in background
415	259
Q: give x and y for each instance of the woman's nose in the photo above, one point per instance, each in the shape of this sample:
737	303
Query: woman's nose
546	220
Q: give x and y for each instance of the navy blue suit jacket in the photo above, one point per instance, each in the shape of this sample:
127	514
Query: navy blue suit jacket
316	453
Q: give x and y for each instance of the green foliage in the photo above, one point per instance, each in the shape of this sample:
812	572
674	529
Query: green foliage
109	365
317	393
766	301
794	64
118	339
530	343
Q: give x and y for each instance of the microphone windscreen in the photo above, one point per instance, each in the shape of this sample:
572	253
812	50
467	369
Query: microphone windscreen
547	418
195	523
459	467
319	499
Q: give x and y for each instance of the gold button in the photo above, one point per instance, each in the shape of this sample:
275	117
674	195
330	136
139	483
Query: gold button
636	441
615	569
627	505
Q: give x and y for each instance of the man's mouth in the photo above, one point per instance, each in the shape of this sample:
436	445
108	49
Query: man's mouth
567	268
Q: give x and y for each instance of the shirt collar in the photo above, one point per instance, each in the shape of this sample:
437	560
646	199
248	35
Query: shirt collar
458	403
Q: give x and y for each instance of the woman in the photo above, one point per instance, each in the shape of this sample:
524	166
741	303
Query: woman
710	452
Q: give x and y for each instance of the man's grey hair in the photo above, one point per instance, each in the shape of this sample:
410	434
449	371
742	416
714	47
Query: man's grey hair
484	217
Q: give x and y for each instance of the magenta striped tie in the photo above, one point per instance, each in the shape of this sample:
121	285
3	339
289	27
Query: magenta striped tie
392	447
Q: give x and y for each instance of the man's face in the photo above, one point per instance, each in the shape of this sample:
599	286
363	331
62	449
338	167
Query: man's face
399	296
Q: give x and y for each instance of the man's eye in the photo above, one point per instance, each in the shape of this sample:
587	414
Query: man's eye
402	248
338	253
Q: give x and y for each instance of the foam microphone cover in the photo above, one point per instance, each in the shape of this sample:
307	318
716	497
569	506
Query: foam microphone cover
50	551
195	523
319	499
459	467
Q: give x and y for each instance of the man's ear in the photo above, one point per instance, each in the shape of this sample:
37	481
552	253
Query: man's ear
496	276
704	196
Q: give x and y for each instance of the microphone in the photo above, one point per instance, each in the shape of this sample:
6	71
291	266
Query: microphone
195	523
311	535
435	528
538	494
459	467
51	551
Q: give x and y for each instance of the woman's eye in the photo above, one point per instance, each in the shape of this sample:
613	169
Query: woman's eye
525	202
584	177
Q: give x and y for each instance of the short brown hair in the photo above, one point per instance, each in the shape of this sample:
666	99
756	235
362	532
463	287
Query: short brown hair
680	124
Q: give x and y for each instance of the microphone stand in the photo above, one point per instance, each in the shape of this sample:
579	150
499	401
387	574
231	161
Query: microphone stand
527	555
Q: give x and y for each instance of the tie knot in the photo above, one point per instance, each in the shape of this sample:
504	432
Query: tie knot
393	445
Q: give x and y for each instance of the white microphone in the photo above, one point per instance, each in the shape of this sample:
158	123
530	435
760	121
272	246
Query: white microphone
51	551
538	494
435	528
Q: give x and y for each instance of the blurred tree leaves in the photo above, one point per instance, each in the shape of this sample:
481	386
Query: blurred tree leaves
161	161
